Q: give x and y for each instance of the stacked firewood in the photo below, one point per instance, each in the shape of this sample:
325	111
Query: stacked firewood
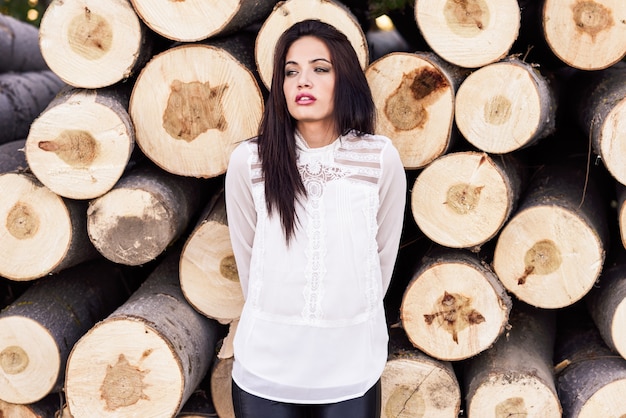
120	293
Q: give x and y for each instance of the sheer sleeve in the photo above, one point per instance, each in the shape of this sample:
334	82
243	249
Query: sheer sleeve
392	195
240	211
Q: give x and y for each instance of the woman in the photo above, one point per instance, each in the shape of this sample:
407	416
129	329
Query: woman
315	207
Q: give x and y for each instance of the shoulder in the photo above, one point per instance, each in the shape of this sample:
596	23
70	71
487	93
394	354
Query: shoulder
242	152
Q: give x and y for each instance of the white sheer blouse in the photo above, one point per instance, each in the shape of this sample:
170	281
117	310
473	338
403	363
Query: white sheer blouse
313	327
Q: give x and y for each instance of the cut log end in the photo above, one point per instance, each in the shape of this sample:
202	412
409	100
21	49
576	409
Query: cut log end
588	35
544	266
185	111
208	273
461	200
449	319
470	34
29	360
36	231
92	46
499	107
79	148
419	388
415	106
136	376
506	395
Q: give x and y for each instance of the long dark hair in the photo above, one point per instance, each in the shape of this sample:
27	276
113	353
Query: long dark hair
353	110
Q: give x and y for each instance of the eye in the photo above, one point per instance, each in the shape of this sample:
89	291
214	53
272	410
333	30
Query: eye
322	70
290	72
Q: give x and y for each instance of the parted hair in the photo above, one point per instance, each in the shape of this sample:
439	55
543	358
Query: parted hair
353	111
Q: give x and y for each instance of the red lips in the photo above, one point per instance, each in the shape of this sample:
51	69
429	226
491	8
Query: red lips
305	99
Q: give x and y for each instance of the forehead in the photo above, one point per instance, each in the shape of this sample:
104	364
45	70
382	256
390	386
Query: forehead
306	49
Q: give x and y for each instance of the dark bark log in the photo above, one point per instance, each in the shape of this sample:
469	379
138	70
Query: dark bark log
143	214
38	330
147	357
515	377
591	378
23	96
19	46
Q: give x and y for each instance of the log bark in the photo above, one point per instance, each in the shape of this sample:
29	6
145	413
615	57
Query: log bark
463	199
143	214
288	12
471	33
515	377
606	304
591	379
414	94
208	273
589	35
23	96
552	250
451	319
505	106
196	20
80	145
188	110
601	105
19	46
621	212
416	385
200	403
94	44
48	407
221	386
147	357
41	232
38	330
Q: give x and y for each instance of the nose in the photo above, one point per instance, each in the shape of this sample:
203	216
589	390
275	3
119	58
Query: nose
303	79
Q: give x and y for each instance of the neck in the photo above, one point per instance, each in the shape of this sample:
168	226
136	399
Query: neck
317	135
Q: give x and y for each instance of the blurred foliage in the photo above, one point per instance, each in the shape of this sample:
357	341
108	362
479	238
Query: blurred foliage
26	10
381	7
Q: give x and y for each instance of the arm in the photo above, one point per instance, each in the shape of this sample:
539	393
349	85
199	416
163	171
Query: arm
240	211
392	198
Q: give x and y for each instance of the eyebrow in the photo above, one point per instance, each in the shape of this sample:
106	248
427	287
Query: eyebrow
311	62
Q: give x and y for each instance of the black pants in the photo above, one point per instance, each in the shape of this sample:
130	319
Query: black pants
251	406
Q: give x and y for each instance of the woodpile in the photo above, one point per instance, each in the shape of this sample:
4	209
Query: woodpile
118	286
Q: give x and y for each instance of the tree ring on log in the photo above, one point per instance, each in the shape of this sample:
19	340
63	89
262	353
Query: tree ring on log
37	222
418	113
29	360
467	200
441	315
81	43
123	361
586	34
469	33
499	108
208	273
172	131
571	251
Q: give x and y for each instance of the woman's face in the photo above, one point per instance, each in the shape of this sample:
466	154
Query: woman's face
309	85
